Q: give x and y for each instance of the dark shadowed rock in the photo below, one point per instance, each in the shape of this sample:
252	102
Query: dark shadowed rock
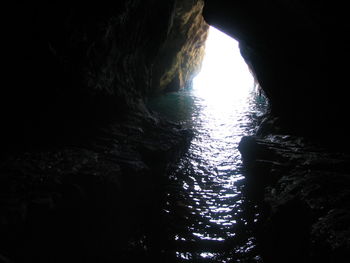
292	47
248	148
91	200
306	199
287	233
83	65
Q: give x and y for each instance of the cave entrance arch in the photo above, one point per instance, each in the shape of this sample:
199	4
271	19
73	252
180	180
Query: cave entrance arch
224	75
208	176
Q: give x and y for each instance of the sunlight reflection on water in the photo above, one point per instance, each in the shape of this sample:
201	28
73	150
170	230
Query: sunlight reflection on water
207	205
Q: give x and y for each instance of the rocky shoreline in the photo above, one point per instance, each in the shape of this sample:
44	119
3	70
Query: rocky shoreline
91	201
303	190
97	200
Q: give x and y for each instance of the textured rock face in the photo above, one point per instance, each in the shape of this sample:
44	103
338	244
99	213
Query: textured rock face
73	65
181	55
305	192
295	49
79	180
93	201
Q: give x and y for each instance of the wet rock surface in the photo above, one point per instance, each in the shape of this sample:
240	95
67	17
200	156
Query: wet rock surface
93	201
72	66
304	192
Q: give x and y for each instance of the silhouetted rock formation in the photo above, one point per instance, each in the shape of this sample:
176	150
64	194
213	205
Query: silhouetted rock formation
305	190
92	201
82	158
76	65
295	49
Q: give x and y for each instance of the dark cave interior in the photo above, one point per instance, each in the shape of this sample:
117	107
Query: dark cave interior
76	132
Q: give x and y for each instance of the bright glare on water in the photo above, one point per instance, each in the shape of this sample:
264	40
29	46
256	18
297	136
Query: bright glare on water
205	207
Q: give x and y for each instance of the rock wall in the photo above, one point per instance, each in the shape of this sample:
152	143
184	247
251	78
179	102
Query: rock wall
94	200
70	68
181	55
303	192
81	158
295	49
74	65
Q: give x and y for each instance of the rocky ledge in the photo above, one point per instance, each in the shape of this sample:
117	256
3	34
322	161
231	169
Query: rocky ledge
304	192
91	201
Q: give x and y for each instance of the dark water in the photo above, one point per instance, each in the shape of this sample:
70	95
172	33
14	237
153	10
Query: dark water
205	215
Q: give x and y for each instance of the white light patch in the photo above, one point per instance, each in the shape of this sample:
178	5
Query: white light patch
224	75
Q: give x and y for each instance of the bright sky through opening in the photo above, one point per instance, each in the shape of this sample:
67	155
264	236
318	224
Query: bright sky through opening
224	75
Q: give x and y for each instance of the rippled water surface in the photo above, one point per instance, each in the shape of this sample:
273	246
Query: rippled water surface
207	217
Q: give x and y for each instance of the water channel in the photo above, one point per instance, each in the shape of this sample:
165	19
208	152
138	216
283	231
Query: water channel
209	219
206	216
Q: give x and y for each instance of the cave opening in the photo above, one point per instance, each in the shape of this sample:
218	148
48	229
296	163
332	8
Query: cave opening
224	74
206	184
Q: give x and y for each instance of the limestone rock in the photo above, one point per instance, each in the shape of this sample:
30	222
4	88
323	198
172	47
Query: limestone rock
180	58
